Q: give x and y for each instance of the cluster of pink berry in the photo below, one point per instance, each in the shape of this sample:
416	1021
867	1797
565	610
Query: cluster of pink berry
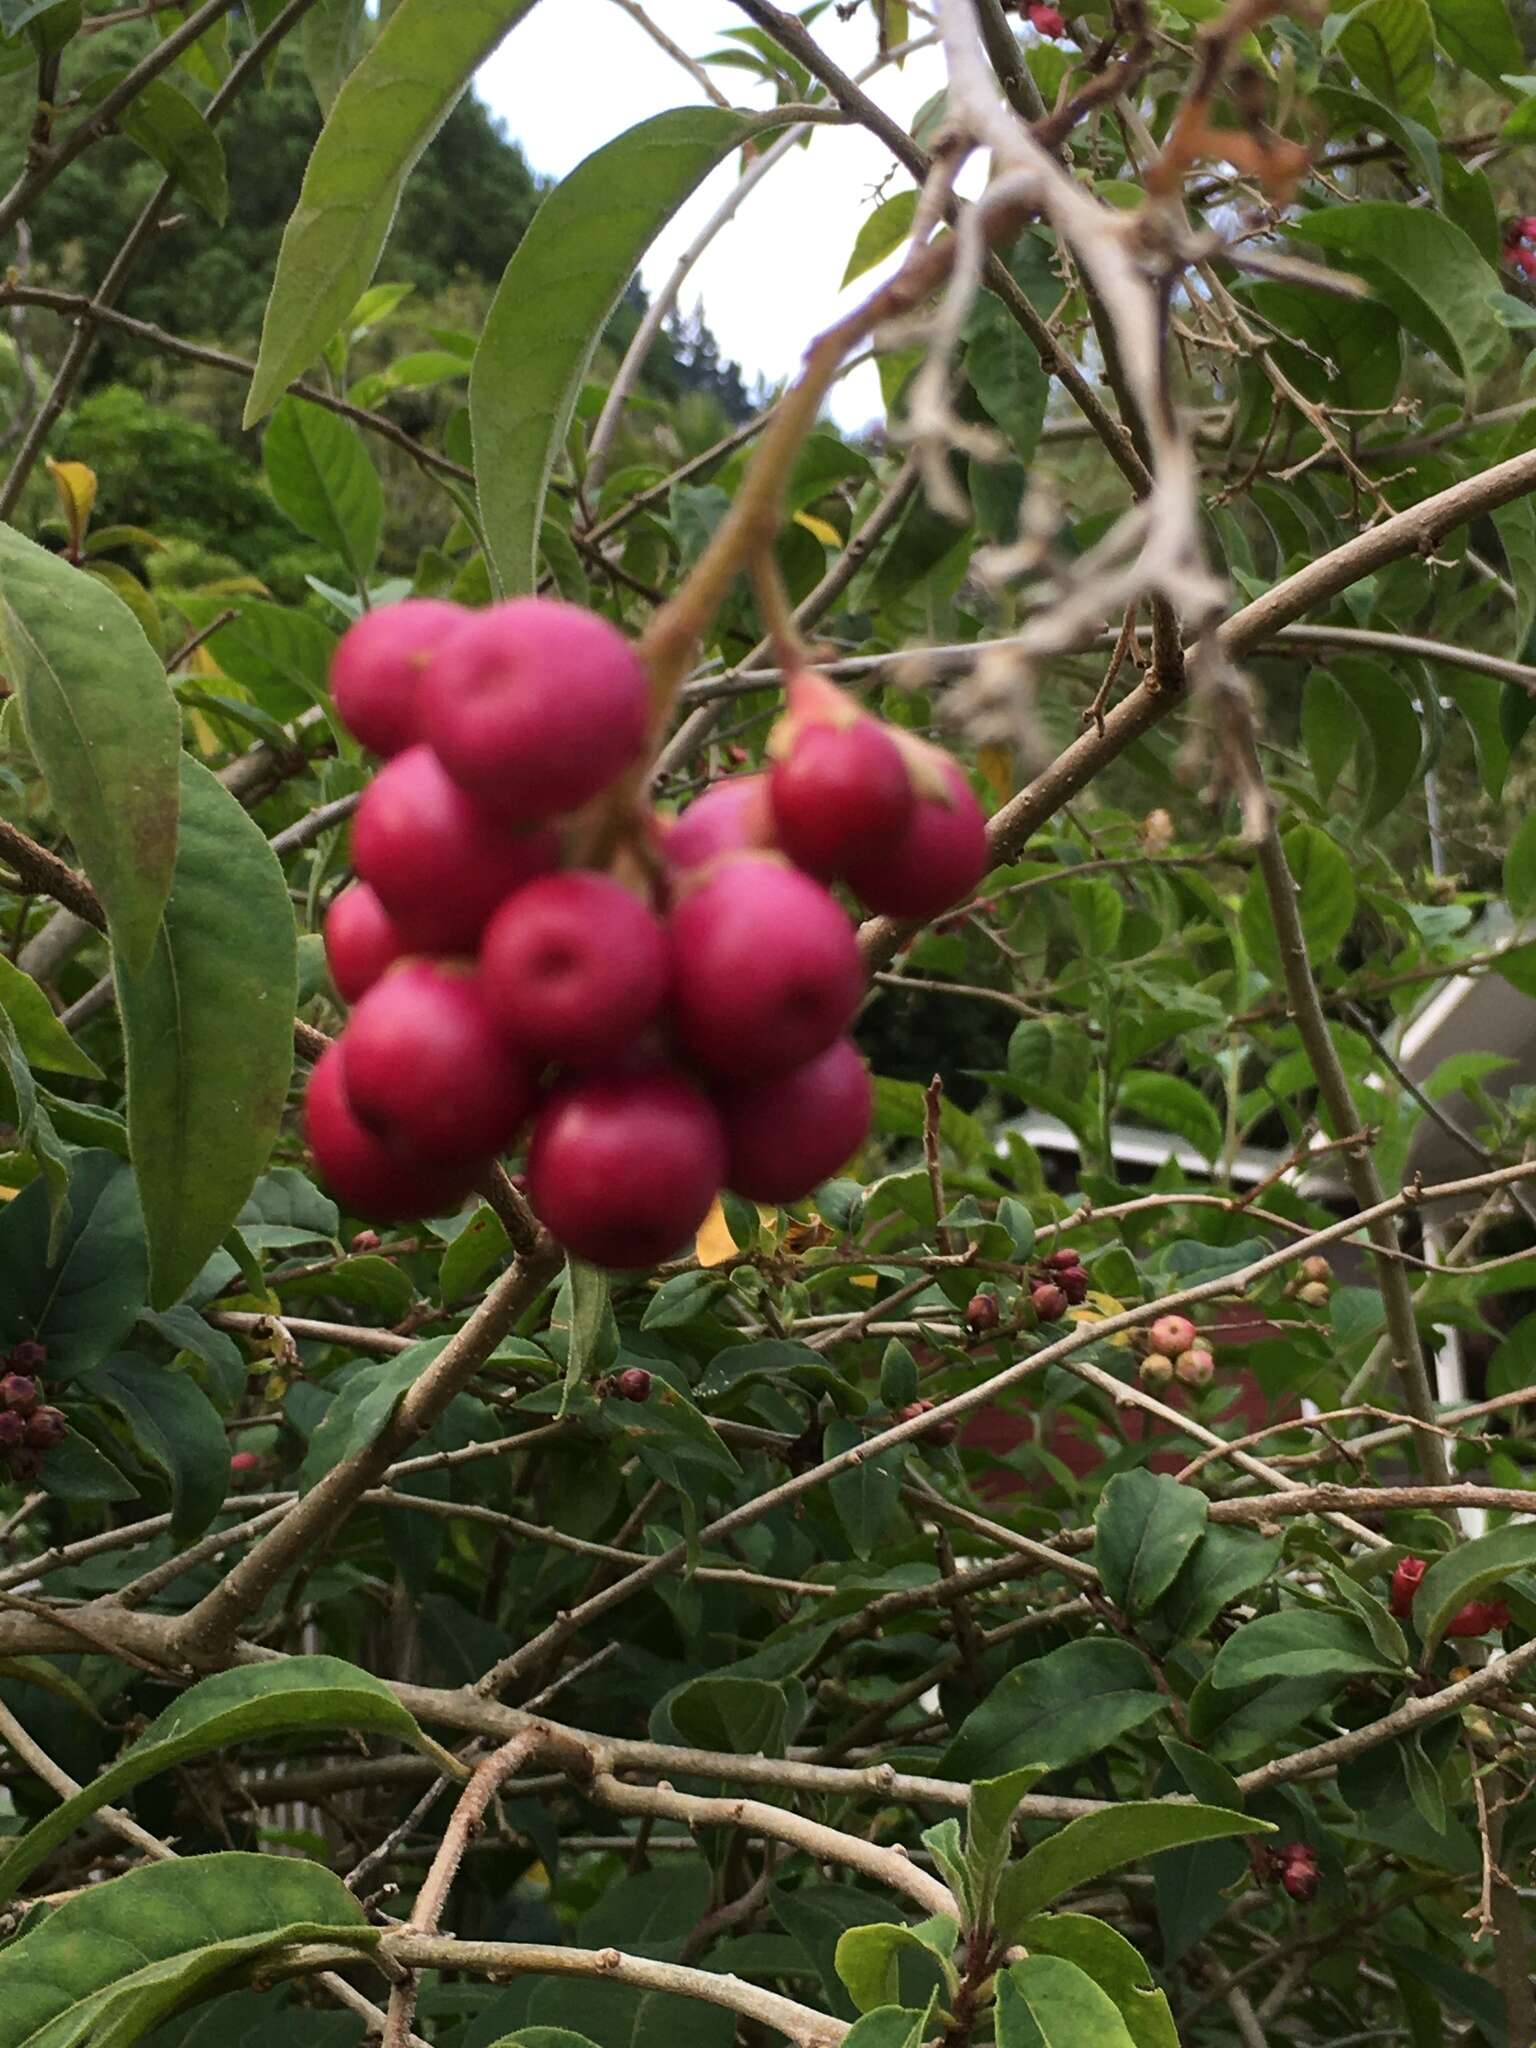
29	1428
661	1036
1175	1353
1520	244
1474	1618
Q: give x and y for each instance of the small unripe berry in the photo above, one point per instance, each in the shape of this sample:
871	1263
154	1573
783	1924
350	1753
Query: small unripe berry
1073	1282
535	707
982	1314
1195	1366
1316	1294
377	668
633	1384
766	969
437	861
20	1392
1405	1583
427	1070
623	1167
1316	1268
1172	1334
28	1356
732	816
365	1176
1062	1260
13	1429
937	861
787	1134
1155	1370
244	1461
1049	1301
45	1428
939	1434
841	793
366	1241
574	968
361	941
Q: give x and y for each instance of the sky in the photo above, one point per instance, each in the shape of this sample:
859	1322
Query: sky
575	73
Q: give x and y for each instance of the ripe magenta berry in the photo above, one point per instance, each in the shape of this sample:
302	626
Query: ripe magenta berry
426	1068
366	1177
45	1428
438	862
787	1134
982	1314
377	668
1049	1301
19	1391
936	862
633	1384
1405	1583
574	967
360	941
535	706
1173	1334
841	793
623	1167
27	1356
1155	1370
243	1461
732	816
766	969
1195	1366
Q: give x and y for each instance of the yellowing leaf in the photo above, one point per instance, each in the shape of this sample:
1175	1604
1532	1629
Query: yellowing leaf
76	486
827	534
714	1244
864	1279
996	765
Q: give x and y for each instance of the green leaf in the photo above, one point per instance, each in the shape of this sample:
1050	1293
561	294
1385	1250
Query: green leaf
881	233
320	474
121	1956
592	1335
83	1301
744	1715
544	2037
1516	525
818	1915
1520	868
1480	702
1056	1710
888	2026
1390	47
1145	1527
554	301
989	1831
1479	35
361	1408
1006	373
168	126
474	1252
1114	1965
1325	891
1393	744
1329	729
865	1496
384	116
1047	2002
1298	1642
869	1961
1086	1848
330	43
103	728
208	1025
1468	1572
176	1428
1426	269
38	1031
1227	1564
1173	1104
35	1133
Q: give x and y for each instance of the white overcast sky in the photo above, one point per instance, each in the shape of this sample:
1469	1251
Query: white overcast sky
575	73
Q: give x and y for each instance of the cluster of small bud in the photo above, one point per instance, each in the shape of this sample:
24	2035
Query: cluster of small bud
1312	1283
1295	1864
1174	1352
29	1428
1059	1282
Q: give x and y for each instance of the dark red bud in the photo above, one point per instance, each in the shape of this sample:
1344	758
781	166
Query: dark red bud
20	1392
1063	1261
940	1434
982	1314
1300	1878
633	1384
1477	1618
1049	1302
28	1356
1405	1583
45	1428
1073	1282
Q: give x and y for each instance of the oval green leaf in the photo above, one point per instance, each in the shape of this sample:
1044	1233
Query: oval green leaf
38	1031
1114	1965
103	728
385	114
555	296
209	1031
1467	1573
320	475
255	1701
1047	2002
1298	1642
1145	1527
1086	1848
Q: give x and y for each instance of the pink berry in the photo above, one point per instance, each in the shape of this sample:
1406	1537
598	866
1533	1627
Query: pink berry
623	1167
368	1179
574	967
45	1428
426	1068
1048	21
1195	1367
732	816
1173	1334
360	941
437	861
366	1241
841	795
244	1461
766	969
535	707
377	668
937	861
786	1135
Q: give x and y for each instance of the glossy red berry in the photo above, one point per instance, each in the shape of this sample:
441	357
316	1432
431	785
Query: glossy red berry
1405	1583
623	1167
438	862
362	1173
841	795
20	1392
935	863
765	969
574	968
787	1134
732	816
1049	1301
426	1069
361	940
28	1356
45	1428
633	1384
536	706
982	1314
377	668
